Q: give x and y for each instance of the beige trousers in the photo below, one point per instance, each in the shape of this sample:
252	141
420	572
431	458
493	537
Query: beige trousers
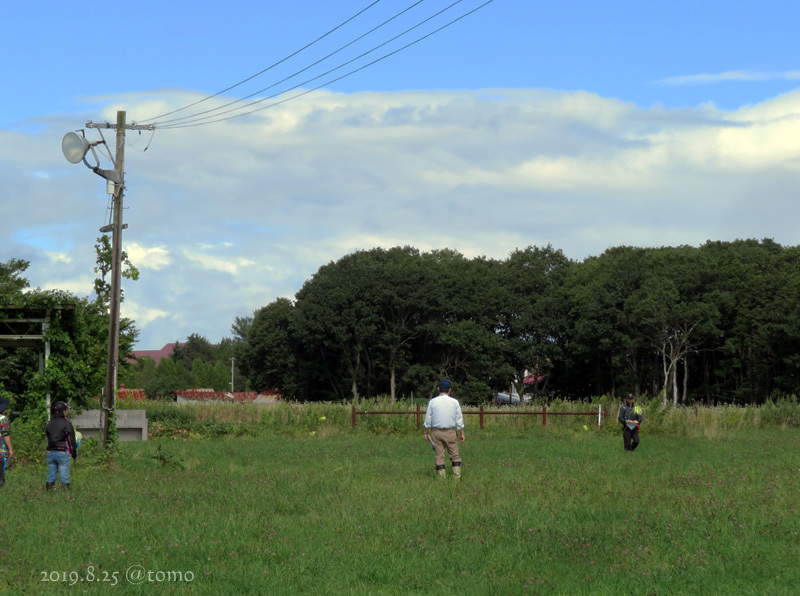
445	439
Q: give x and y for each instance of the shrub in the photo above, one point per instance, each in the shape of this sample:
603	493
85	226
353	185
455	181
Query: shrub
28	437
169	414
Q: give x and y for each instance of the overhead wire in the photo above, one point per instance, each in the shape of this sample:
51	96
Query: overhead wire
200	121
135	148
281	61
291	76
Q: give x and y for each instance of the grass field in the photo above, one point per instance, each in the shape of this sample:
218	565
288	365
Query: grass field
537	512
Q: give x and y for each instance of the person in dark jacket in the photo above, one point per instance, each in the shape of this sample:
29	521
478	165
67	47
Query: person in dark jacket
630	416
61	445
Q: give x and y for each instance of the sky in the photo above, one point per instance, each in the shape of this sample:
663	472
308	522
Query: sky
357	124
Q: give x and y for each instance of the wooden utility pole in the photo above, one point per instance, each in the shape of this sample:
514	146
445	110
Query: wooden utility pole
117	176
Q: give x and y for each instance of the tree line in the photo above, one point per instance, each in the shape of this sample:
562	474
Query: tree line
194	364
715	323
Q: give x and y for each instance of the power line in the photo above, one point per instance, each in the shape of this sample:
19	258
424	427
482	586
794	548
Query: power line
281	61
200	121
359	38
197	118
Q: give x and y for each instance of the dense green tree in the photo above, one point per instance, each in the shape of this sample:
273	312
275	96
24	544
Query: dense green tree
464	343
533	311
755	287
12	283
267	357
140	374
605	349
241	328
338	319
220	378
169	378
672	311
196	346
406	296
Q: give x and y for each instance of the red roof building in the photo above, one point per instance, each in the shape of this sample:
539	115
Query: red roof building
156	355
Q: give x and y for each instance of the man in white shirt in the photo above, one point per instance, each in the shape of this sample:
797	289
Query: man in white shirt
445	420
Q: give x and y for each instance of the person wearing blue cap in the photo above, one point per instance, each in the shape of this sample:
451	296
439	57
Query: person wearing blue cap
445	420
6	450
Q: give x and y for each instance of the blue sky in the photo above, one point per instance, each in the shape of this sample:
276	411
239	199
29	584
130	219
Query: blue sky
579	124
622	49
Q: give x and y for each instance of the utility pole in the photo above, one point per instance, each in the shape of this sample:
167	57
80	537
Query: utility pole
117	177
110	387
75	148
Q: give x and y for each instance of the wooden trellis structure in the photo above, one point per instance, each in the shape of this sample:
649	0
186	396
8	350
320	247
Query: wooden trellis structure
26	329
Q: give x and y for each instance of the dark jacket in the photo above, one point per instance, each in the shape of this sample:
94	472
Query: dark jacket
630	413
61	436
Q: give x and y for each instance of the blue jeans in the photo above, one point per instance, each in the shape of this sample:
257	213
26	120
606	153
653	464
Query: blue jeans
3	474
58	461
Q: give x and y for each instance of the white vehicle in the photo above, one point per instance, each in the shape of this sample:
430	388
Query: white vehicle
509	398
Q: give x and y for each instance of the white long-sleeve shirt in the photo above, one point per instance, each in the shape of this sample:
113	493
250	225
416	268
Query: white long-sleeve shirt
444	412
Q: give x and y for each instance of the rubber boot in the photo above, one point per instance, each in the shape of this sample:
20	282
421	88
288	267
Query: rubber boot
50	486
440	470
65	485
457	470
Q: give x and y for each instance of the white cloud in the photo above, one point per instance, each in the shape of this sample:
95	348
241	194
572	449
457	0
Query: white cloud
225	218
232	265
80	286
734	75
59	257
143	316
153	257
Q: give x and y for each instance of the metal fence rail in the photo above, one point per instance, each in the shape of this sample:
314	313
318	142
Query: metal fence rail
419	414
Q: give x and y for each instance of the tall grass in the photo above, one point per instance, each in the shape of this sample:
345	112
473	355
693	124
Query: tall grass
329	419
209	421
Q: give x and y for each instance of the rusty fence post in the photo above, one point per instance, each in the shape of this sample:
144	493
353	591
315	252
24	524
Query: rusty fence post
544	415
354	416
481	416
418	414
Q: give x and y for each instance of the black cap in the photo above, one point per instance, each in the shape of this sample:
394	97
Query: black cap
445	384
60	406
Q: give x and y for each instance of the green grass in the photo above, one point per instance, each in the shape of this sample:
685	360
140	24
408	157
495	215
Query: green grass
537	512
